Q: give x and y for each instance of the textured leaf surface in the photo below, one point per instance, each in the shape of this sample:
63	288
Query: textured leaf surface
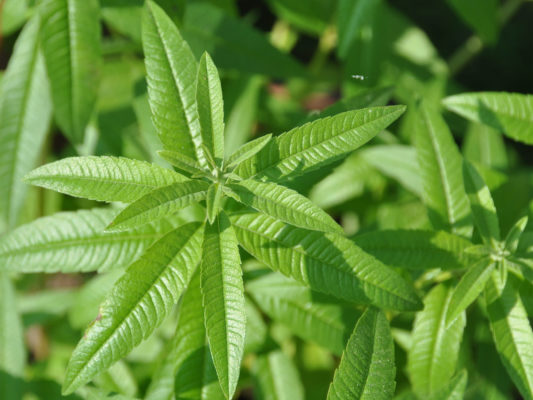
308	314
223	301
277	378
511	331
285	204
71	44
75	242
326	262
103	178
432	359
367	369
184	164
138	303
510	113
440	167
171	75
248	150
25	115
213	201
454	390
159	203
318	143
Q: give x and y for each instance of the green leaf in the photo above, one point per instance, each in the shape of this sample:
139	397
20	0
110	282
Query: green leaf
416	249
276	378
511	331
485	146
311	16
432	359
510	113
351	18
213	201
481	15
138	303
25	113
71	44
285	204
247	150
210	107
469	288
103	178
186	166
318	143
14	14
171	75
75	242
454	390
159	203
326	262
482	205
367	369
309	315
513	237
223	300
440	167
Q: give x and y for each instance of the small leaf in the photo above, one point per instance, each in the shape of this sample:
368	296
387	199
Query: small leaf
138	303
102	178
159	203
481	15
277	378
247	150
187	166
367	369
510	113
285	204
213	201
223	301
513	237
454	390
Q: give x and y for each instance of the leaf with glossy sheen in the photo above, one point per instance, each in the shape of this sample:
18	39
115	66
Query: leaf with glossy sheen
454	390
513	237
510	113
210	107
223	301
25	113
171	75
482	205
71	45
285	204
102	178
213	201
511	332
326	262
276	378
442	179
432	359
469	287
247	150
367	369
318	143
75	242
159	203
308	314
138	303
187	166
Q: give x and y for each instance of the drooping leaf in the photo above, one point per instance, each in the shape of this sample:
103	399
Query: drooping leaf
318	143
308	314
481	15
138	303
187	166
213	201
513	237
25	115
326	262
510	113
171	75
210	107
159	203
454	390
285	204
103	178
432	359
247	150
511	331
75	242
277	378
440	167
367	369
223	301
71	44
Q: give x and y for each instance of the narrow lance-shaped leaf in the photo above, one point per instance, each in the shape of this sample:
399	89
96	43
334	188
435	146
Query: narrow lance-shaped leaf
513	237
326	262
102	178
367	369
511	331
210	107
247	150
285	204
25	115
223	301
171	75
440	166
159	203
184	164
213	201
71	44
454	390
318	143
138	303
277	378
